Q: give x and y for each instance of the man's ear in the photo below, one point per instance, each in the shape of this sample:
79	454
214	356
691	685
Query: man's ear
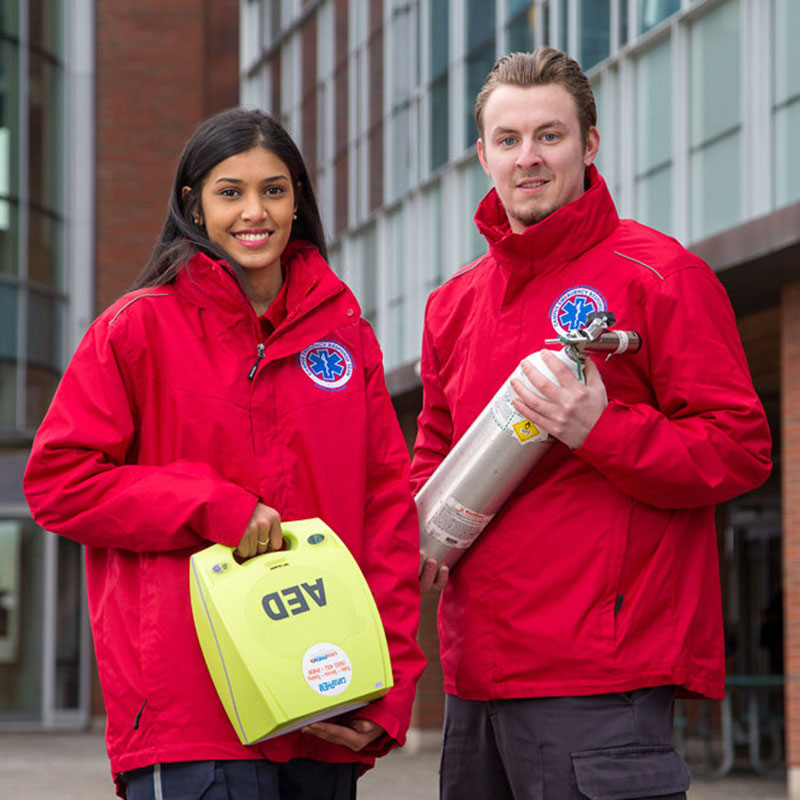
592	146
482	156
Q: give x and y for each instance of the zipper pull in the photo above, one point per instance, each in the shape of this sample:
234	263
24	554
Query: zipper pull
261	353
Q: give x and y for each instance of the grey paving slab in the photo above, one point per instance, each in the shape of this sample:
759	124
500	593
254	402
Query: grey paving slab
73	766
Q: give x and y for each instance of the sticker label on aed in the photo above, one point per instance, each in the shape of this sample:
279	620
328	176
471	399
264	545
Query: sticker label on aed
327	669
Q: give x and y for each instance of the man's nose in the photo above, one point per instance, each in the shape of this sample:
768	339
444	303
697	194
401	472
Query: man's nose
529	155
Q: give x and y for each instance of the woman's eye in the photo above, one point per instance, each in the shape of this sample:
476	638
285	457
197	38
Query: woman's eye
274	190
229	193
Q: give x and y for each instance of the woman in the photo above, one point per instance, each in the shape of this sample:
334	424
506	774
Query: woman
235	386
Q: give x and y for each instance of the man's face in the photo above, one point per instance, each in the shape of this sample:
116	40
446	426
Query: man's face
533	151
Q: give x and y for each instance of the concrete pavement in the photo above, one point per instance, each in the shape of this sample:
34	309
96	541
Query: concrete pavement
73	766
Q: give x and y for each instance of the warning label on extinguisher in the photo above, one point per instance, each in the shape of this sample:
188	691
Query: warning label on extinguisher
455	525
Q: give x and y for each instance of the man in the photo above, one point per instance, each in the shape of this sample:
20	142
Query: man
593	595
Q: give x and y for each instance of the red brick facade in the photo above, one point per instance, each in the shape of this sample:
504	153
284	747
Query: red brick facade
790	457
161	69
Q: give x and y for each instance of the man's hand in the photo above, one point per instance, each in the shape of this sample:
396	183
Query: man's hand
569	411
263	533
355	734
433	576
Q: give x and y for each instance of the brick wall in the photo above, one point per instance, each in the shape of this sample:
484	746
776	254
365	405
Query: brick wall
790	458
161	69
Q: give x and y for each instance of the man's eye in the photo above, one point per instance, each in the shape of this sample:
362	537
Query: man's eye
507	141
550	137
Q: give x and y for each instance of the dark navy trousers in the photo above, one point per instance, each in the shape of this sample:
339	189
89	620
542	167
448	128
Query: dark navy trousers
601	747
298	779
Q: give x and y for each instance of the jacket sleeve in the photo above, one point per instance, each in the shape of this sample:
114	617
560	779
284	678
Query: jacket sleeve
390	559
705	439
82	481
435	424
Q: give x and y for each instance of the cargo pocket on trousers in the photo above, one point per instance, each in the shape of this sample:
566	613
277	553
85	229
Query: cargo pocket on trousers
626	773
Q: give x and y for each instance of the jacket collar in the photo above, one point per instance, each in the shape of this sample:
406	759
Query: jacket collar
558	238
209	283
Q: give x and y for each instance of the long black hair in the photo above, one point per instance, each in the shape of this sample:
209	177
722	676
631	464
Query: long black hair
224	135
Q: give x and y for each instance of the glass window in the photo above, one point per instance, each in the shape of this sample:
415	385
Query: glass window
434	251
715	137
9	301
786	69
45	337
654	136
9	158
68	624
45	25
404	79
366	284
480	57
595	31
474	186
438	95
521	26
21	610
651	12
395	329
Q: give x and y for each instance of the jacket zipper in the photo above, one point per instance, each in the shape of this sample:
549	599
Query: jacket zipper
261	352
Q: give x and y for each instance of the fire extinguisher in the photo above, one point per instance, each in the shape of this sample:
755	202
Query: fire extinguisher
500	447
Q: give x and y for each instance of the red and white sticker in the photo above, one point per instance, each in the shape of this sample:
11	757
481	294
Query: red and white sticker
327	669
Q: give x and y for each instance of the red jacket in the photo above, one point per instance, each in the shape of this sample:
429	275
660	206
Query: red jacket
600	574
158	442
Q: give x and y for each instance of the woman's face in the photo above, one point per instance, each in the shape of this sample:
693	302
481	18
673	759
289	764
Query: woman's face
247	205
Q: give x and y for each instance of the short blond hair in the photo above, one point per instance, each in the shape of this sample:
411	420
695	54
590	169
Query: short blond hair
545	65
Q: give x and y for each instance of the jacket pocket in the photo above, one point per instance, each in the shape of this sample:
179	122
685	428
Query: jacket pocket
625	773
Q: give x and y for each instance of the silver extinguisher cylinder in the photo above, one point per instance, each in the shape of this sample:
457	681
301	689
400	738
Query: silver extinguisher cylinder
482	470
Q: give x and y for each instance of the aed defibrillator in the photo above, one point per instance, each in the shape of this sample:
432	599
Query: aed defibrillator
289	637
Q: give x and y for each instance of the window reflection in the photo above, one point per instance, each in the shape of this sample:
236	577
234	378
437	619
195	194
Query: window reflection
480	56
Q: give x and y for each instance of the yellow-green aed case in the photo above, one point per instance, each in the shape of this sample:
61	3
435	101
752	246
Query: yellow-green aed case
289	637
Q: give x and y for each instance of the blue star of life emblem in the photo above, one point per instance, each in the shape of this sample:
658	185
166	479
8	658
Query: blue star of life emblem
329	364
570	310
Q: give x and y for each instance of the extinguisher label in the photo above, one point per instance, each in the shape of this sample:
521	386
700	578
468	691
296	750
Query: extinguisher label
455	525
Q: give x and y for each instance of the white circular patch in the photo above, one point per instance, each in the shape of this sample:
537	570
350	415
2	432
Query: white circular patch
328	363
327	669
569	312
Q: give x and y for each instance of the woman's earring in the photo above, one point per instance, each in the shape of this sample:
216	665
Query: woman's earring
197	221
295	216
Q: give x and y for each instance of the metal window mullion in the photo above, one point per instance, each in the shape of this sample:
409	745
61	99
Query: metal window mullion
626	136
457	80
756	151
23	210
389	191
573	29
326	137
681	188
49	632
80	171
424	136
381	282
